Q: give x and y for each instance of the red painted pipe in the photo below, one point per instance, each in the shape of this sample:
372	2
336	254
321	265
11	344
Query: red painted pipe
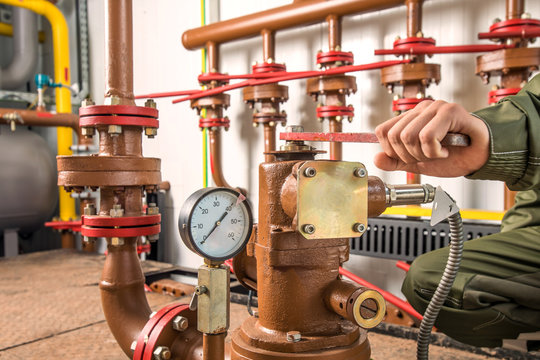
166	94
392	299
403	265
429	49
277	77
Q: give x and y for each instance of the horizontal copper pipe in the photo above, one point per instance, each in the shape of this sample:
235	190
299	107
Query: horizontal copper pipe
283	17
41	118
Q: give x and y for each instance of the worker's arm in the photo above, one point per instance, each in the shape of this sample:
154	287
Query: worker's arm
505	140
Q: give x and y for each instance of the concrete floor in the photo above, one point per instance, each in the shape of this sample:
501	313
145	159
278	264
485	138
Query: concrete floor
51	310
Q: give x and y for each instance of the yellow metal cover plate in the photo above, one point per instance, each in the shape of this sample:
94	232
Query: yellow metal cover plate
332	198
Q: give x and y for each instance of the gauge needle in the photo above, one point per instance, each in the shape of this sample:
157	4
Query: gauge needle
216	225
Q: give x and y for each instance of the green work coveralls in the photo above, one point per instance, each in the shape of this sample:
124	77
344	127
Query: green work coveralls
495	299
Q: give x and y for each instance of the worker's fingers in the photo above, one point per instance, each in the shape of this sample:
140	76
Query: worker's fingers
382	134
387	163
434	131
405	143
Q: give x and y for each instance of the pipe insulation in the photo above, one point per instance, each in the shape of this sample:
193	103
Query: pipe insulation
25	50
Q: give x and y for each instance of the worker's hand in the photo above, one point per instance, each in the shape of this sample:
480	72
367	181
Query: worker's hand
412	141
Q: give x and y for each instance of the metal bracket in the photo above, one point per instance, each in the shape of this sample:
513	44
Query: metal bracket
443	207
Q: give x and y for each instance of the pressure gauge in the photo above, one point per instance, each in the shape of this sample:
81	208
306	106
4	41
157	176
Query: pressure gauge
216	223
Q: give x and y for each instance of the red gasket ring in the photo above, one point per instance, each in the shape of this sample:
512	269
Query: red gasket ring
118	110
267	67
124	120
154	334
496	95
406	43
406	103
333	56
73	225
148	327
505	24
120	232
214	122
332	110
106	221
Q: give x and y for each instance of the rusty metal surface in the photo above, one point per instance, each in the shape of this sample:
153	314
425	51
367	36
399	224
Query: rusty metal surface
296	14
422	73
40	118
332	199
503	61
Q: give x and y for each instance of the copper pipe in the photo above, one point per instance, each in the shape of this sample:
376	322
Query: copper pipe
283	17
212	55
514	9
334	32
414	17
119	59
214	346
122	294
215	158
269	142
68	240
269	46
336	148
41	118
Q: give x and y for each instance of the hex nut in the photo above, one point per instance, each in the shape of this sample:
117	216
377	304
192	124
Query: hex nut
152	209
114	100
180	323
87	102
360	172
359	227
294	128
162	353
116	241
150	103
294	336
309	228
153	238
133	345
88	131
114	129
310	172
116	211
150	132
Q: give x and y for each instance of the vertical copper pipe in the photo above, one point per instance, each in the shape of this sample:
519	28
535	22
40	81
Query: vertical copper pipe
269	142
514	9
68	240
215	157
269	46
122	293
119	59
336	148
414	17
212	55
334	31
214	346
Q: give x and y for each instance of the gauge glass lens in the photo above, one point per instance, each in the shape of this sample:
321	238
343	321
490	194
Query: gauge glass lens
219	224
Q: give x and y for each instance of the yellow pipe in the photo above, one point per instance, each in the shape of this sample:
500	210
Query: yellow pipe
62	75
470	214
7	30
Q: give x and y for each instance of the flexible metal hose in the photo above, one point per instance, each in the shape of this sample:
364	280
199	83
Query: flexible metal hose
448	277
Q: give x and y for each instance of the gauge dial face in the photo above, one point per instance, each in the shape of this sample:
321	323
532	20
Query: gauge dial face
216	223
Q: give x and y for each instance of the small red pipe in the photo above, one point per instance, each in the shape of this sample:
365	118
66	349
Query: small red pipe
403	265
420	50
392	299
524	33
290	76
166	94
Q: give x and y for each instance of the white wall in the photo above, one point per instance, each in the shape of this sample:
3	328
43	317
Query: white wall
162	64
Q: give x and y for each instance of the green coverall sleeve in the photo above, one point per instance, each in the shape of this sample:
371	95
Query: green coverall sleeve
514	128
